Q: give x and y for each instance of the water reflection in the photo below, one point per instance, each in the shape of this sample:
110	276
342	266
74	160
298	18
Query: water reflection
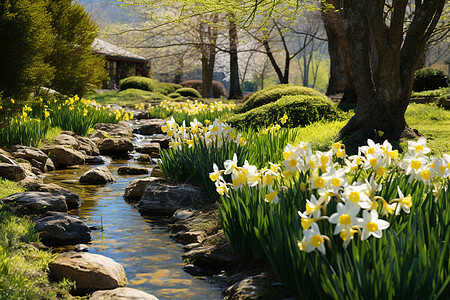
152	261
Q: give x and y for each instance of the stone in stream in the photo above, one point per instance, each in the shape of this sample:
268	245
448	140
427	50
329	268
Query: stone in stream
122	294
116	146
151	126
121	129
73	201
62	229
189	237
148	148
63	156
88	146
212	258
98	175
67	140
91	272
136	188
132	171
98	160
144	158
253	287
157	172
164	198
12	172
35	202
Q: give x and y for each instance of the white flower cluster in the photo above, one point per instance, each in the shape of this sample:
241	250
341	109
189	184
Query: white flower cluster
217	132
195	107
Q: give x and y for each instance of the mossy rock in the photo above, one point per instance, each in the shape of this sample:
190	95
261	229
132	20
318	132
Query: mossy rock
166	88
273	93
301	110
188	92
137	82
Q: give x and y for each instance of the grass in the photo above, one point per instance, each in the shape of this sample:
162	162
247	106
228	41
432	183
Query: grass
127	97
440	93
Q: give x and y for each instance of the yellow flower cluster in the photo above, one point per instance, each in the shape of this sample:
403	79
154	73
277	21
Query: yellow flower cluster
215	133
275	127
195	107
358	206
122	114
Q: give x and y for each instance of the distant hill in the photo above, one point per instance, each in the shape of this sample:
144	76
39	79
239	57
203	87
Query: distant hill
107	12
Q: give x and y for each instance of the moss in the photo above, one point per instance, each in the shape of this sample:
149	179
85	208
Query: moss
166	88
174	95
273	93
137	82
188	92
301	110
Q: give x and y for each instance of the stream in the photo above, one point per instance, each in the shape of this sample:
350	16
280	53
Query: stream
151	259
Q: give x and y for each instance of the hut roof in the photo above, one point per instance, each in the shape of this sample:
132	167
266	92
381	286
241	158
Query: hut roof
112	51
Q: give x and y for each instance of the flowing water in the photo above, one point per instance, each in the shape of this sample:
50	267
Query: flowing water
151	259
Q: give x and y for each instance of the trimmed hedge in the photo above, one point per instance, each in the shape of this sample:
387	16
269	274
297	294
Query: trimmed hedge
166	88
219	90
137	82
427	79
273	93
300	109
188	92
174	95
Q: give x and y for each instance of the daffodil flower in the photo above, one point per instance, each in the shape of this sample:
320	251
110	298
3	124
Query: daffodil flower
315	240
371	225
345	217
403	203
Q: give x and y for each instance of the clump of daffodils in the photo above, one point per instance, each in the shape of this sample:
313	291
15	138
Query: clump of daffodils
195	107
359	208
216	133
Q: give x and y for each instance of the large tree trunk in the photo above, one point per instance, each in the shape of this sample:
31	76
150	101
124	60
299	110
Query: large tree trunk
208	36
341	79
383	63
235	87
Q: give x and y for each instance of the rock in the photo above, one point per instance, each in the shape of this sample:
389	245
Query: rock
182	214
12	172
151	126
122	294
68	132
98	175
144	158
164	198
132	171
189	237
115	145
36	202
191	246
30	154
63	156
67	140
148	148
157	172
98	134
178	227
88	146
62	229
97	160
72	199
136	188
253	287
163	143
141	115
89	271
81	248
195	270
213	258
6	159
121	129
49	166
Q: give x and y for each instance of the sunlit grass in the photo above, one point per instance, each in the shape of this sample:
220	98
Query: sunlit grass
127	97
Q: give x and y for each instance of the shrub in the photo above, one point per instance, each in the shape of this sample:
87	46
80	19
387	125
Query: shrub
218	88
137	82
301	110
429	79
188	92
174	95
166	88
273	93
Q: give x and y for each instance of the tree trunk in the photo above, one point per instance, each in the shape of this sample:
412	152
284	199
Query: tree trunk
383	63
283	78
208	36
235	87
341	79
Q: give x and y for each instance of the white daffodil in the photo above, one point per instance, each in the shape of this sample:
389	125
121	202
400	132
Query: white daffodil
272	197
315	240
403	203
357	195
313	207
216	174
371	147
419	147
413	164
230	164
345	217
371	225
317	182
335	179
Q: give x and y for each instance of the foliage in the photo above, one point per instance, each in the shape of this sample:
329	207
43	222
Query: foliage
27	40
301	110
77	68
442	93
188	92
174	95
8	187
273	93
429	79
166	88
127	97
137	82
219	90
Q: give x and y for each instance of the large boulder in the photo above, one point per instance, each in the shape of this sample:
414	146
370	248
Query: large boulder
212	258
98	175
123	293
67	140
35	202
136	188
115	145
12	172
29	153
164	198
90	272
63	156
148	148
62	229
149	127
88	146
121	129
73	201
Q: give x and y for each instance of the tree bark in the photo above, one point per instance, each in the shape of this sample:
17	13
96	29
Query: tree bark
341	78
235	87
383	63
208	36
